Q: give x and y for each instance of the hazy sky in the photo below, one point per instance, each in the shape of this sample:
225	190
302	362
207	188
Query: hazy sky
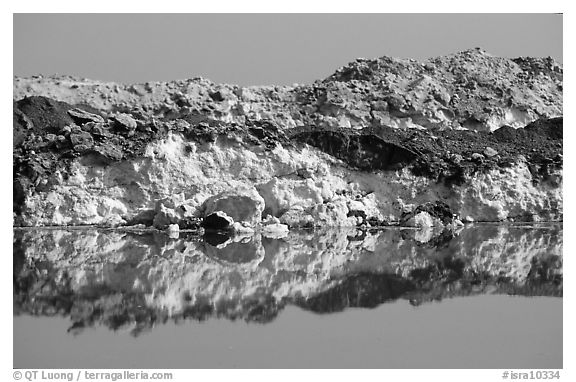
261	49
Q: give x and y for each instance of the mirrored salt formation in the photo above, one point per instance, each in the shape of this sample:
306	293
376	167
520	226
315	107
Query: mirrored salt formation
138	280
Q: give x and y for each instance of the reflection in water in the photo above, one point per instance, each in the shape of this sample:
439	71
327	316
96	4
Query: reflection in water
139	279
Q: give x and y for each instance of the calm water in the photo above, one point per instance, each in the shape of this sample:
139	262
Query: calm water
488	296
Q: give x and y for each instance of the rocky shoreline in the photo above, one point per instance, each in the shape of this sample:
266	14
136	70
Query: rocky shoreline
462	138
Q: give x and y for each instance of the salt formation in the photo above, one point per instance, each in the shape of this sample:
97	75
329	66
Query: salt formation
373	144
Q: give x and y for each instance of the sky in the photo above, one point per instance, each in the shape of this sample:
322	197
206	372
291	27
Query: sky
261	49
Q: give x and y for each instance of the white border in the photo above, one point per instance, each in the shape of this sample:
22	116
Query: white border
299	6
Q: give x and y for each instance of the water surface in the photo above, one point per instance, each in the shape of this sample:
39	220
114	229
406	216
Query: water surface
488	296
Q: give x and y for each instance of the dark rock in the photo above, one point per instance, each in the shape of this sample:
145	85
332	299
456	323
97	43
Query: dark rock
82	138
375	222
109	151
145	217
363	151
438	210
81	116
189	223
21	126
217	221
124	122
549	129
19	187
357	213
46	115
98	130
81	148
217	96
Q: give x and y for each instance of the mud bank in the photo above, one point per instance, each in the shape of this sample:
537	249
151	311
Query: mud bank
379	142
137	280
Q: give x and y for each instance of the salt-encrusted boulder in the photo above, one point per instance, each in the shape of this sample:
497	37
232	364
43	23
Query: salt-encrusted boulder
272	228
282	195
422	220
297	217
241	204
124	122
164	217
275	231
364	209
334	213
173	210
173	231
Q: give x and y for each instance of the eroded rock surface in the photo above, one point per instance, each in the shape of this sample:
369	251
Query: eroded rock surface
363	147
470	89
